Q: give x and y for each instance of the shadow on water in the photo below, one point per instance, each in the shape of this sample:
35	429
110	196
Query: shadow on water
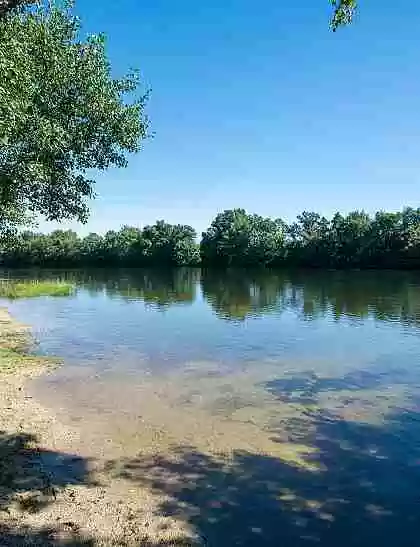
307	387
11	537
361	487
46	538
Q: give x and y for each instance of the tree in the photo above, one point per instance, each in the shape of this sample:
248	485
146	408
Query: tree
62	114
63	248
309	240
169	244
236	238
351	238
92	249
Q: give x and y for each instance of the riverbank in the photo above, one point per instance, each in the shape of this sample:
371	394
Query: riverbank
53	490
157	472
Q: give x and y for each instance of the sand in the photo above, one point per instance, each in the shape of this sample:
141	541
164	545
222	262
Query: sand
52	491
124	462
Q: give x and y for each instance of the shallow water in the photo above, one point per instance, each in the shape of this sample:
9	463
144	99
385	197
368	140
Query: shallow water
279	408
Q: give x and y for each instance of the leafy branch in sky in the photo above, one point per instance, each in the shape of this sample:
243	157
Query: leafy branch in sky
343	12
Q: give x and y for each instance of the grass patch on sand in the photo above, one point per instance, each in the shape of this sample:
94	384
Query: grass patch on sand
32	289
15	341
11	360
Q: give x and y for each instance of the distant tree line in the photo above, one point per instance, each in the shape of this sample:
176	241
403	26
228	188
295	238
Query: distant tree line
234	239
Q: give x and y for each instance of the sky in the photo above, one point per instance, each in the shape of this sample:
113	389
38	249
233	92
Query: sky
259	105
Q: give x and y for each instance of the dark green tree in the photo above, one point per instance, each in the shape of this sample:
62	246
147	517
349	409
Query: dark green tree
236	238
62	114
92	250
309	240
167	244
411	236
7	6
351	239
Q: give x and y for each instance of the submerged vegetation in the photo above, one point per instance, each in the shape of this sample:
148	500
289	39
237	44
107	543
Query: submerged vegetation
234	239
31	289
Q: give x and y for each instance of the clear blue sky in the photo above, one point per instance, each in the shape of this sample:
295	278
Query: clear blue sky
258	105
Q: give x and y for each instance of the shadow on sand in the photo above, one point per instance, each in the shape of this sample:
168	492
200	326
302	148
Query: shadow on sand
361	488
30	479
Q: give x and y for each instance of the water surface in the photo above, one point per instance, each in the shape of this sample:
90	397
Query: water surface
281	408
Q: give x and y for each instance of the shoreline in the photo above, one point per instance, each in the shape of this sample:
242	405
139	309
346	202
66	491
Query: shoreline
51	492
76	471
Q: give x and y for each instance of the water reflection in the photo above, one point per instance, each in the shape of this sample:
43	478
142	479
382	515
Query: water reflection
295	429
238	295
386	296
158	288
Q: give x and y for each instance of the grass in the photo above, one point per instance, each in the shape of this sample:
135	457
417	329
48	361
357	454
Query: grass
12	360
32	289
15	341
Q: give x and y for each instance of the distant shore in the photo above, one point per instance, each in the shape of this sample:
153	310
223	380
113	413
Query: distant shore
235	238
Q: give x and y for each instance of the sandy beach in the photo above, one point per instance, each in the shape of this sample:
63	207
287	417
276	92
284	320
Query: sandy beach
52	490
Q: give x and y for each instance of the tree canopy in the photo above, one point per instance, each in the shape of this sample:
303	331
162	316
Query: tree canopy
62	114
235	238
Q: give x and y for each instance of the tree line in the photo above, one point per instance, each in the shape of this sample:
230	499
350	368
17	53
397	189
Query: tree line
235	238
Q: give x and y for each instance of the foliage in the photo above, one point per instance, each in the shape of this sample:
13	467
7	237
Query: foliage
343	12
6	6
161	244
31	289
62	114
235	239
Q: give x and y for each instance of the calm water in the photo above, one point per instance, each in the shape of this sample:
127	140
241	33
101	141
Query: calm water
294	399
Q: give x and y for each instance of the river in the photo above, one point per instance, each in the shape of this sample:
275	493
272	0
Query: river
285	407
